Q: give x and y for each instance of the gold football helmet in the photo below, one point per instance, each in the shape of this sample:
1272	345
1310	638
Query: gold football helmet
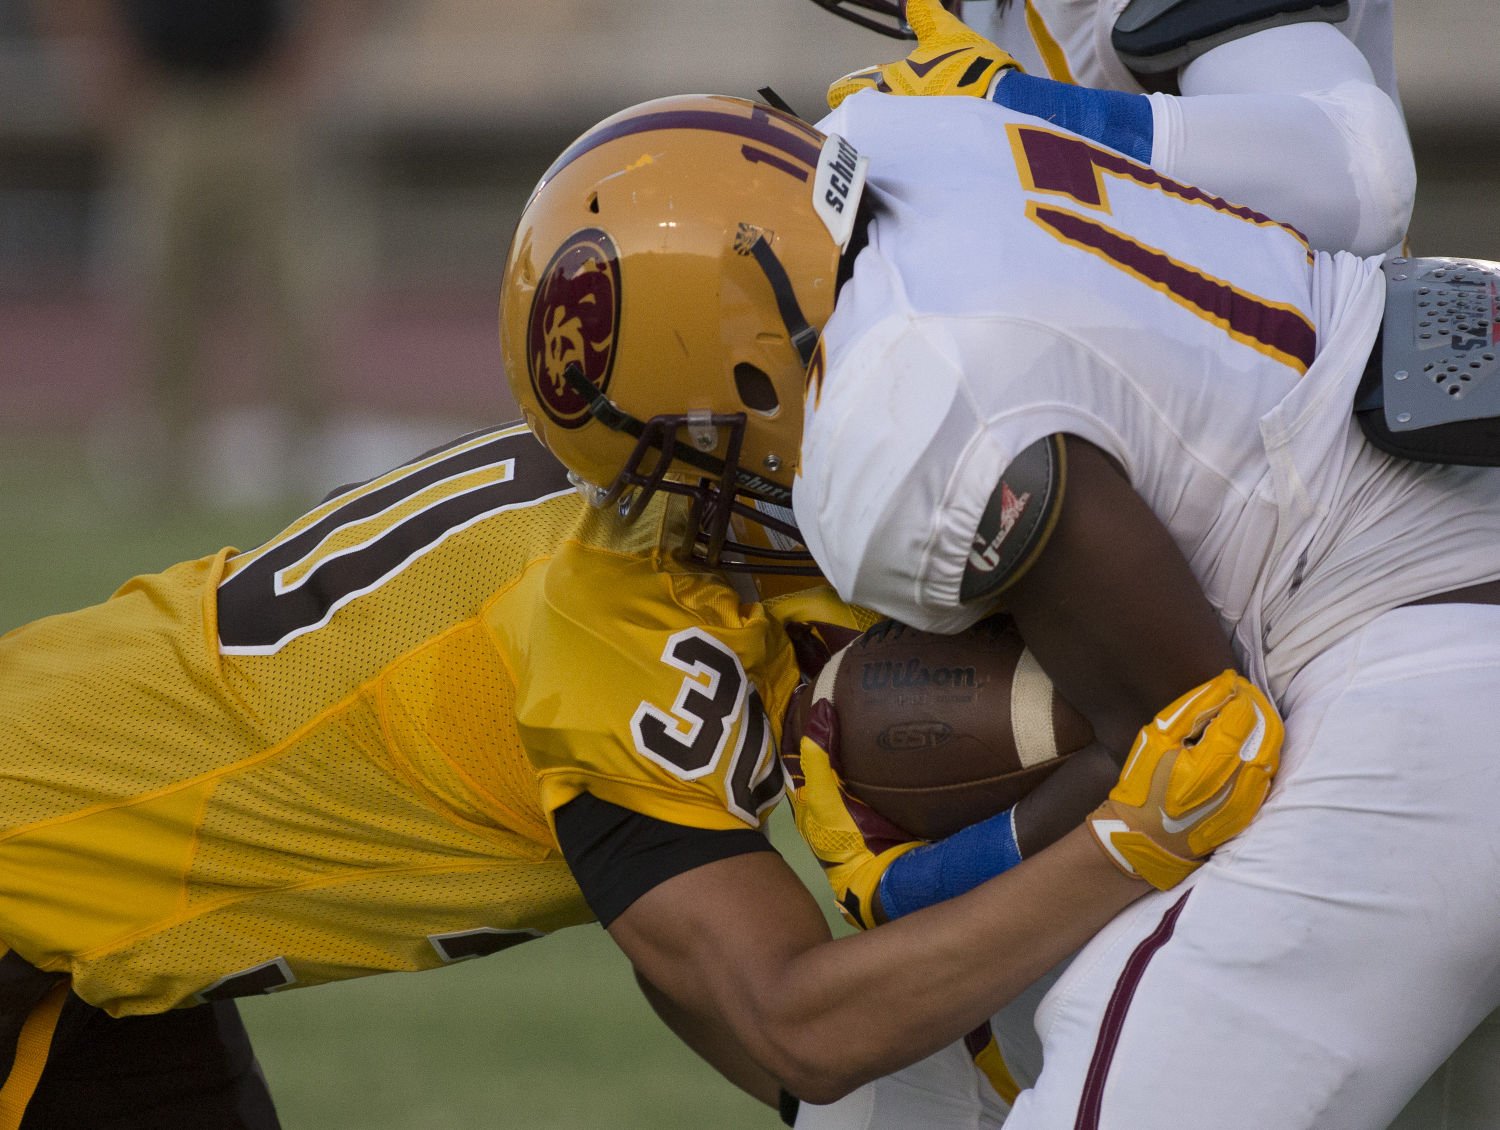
663	297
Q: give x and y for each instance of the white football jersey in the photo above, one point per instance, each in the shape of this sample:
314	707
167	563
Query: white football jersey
1020	281
1069	40
1295	121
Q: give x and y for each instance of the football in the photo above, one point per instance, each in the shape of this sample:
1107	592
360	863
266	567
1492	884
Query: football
936	732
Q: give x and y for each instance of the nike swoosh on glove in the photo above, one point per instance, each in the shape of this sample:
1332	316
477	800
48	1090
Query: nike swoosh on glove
1195	777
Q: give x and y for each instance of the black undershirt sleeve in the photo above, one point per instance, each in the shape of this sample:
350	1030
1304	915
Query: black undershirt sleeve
617	855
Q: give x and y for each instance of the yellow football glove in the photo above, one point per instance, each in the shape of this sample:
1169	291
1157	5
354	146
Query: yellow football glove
853	843
950	58
1194	778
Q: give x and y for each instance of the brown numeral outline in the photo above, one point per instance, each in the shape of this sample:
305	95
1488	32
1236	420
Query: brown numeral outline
295	583
1061	164
689	739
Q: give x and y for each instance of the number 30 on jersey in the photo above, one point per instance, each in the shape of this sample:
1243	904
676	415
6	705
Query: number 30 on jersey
715	706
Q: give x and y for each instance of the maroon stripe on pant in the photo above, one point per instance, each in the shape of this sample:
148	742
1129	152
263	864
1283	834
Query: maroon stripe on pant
979	1039
1091	1101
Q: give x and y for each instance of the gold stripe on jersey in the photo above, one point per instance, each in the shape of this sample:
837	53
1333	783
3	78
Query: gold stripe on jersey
1047	46
1265	336
1055	162
30	1057
439	458
368	535
991	1061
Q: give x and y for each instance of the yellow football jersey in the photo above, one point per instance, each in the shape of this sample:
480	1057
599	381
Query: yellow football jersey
304	763
596	715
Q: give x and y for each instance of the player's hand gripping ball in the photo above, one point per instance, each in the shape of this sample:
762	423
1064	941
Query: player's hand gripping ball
937	732
853	844
909	736
1195	777
950	58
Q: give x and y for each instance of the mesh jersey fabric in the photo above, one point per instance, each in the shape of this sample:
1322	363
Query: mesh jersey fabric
302	763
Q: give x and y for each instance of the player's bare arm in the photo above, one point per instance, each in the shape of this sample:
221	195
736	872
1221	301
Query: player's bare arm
1111	609
713	1042
738	943
745	938
1059	803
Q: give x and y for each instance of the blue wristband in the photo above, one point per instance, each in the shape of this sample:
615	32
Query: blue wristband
935	872
1110	117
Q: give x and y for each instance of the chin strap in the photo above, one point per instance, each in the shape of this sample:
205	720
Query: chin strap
777	102
887	19
616	419
657	448
787	1105
804	337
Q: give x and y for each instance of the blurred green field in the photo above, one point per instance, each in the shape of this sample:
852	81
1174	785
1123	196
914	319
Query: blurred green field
548	1036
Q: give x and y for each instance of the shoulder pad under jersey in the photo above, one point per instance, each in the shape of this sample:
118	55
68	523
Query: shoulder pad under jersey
1017	520
1156	36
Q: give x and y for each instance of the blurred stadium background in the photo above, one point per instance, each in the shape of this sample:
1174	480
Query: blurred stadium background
427	121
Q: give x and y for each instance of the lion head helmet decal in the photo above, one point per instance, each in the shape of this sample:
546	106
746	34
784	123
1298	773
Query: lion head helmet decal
574	317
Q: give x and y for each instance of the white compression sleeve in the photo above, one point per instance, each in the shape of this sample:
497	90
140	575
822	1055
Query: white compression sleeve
1290	121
